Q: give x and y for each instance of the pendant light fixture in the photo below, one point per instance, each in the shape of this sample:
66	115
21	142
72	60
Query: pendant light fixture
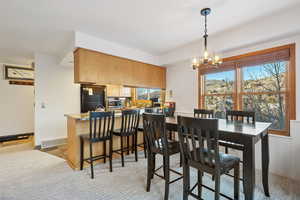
208	59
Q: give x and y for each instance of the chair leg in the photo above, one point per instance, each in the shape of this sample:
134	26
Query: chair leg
104	151
110	154
149	171
237	182
186	181
128	139
200	175
226	150
153	159
133	143
81	153
135	146
91	160
180	161
217	186
145	147
167	176
122	151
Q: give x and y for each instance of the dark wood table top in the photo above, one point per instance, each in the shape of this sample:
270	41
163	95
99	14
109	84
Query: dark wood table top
235	127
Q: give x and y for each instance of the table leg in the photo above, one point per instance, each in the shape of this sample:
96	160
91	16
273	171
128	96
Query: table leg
265	163
249	169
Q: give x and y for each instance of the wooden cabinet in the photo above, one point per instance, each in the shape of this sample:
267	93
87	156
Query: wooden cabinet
125	92
102	69
118	91
113	90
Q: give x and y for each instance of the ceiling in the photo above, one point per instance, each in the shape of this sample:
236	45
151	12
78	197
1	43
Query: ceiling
153	26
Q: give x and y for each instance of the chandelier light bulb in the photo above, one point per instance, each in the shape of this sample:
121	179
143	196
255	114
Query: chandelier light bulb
206	54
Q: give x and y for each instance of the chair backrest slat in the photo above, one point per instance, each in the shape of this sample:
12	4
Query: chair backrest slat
236	115
201	113
101	125
194	133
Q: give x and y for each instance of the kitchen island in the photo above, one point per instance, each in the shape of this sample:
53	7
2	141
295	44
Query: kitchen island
78	124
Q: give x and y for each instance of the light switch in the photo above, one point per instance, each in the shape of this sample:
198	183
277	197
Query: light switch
43	106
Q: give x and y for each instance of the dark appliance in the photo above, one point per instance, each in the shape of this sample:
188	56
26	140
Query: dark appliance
92	97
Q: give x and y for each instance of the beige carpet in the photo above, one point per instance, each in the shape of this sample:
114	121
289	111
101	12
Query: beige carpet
34	175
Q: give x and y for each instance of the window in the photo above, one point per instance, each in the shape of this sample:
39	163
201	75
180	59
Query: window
262	81
218	95
264	91
147	94
154	93
142	93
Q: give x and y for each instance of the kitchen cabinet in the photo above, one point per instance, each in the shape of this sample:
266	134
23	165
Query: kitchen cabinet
113	90
118	91
103	69
125	92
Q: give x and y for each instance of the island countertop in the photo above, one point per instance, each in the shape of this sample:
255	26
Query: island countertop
85	116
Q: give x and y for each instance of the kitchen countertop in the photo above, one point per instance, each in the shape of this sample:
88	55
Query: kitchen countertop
85	116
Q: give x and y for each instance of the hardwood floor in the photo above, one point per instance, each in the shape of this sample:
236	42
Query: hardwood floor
59	151
29	140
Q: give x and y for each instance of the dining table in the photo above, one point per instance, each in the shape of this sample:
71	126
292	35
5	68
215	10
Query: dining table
246	135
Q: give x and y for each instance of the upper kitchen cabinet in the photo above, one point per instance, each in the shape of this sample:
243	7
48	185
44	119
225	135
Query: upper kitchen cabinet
118	91
102	69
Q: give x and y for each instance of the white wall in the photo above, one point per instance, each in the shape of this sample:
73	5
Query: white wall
55	88
182	80
16	106
284	151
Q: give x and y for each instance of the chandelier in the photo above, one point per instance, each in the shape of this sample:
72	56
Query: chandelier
208	59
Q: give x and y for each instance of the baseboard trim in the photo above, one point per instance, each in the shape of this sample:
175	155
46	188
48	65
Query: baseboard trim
21	136
53	143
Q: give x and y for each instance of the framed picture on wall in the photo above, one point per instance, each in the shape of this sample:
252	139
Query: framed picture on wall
18	73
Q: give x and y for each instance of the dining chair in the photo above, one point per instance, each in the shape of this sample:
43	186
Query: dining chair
101	128
243	117
204	156
129	127
158	143
202	113
235	115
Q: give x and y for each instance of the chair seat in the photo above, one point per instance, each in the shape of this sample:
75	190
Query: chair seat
87	137
140	128
231	145
117	132
227	161
173	147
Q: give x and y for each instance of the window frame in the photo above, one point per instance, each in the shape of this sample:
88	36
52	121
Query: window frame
233	63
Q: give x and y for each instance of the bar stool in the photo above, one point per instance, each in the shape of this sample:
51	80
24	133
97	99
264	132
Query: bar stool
129	127
101	128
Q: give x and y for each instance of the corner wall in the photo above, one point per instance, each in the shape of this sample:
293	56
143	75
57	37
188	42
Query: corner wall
54	88
16	106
